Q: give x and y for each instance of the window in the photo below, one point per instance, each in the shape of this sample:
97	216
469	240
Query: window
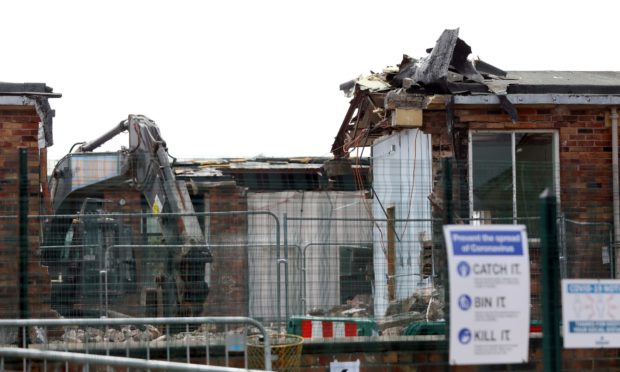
356	271
507	172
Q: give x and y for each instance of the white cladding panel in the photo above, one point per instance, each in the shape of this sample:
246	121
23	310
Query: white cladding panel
319	238
402	180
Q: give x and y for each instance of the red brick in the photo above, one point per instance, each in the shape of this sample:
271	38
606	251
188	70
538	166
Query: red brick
19	129
390	357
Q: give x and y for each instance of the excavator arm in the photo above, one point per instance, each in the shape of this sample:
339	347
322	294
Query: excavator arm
152	174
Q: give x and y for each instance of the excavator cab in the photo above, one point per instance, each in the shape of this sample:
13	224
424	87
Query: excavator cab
90	269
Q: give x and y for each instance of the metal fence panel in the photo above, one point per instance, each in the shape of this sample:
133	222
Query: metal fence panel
84	360
190	339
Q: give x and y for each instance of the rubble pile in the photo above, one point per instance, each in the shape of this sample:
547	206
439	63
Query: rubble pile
426	305
146	333
361	306
127	333
421	306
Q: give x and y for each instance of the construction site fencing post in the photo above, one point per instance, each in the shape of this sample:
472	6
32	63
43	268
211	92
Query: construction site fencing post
550	283
280	261
448	219
23	234
563	251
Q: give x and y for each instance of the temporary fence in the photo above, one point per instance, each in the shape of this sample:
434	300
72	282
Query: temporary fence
193	340
84	360
118	262
372	250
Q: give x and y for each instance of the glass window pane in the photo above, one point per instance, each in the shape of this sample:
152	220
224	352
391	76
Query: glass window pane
492	177
534	166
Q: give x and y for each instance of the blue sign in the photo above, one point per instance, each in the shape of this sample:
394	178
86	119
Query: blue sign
593	288
594	326
487	243
489	271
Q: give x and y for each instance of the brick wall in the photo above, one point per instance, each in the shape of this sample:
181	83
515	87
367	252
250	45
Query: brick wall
585	167
433	356
585	148
585	173
377	356
227	235
19	126
416	354
585	151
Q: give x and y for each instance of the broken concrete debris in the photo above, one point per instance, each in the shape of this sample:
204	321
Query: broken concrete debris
127	333
141	334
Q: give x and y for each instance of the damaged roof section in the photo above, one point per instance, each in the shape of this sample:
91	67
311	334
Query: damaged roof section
275	174
447	70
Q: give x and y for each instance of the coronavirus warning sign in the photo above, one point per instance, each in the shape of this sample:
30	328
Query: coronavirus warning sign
489	272
591	313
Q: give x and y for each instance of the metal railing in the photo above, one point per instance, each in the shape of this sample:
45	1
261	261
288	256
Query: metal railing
106	346
104	360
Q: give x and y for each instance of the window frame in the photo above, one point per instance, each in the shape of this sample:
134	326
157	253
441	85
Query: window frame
470	166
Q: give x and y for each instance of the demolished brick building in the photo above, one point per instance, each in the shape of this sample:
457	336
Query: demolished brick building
508	134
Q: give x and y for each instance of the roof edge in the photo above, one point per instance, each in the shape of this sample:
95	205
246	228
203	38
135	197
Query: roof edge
554	99
31	94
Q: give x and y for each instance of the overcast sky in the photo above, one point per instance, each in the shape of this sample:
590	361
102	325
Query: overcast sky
249	78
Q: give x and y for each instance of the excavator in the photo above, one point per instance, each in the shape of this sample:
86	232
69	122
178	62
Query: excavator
99	265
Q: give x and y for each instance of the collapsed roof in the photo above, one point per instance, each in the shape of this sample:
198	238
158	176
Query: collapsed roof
445	73
275	174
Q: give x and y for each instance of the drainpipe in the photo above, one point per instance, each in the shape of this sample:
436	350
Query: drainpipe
615	185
